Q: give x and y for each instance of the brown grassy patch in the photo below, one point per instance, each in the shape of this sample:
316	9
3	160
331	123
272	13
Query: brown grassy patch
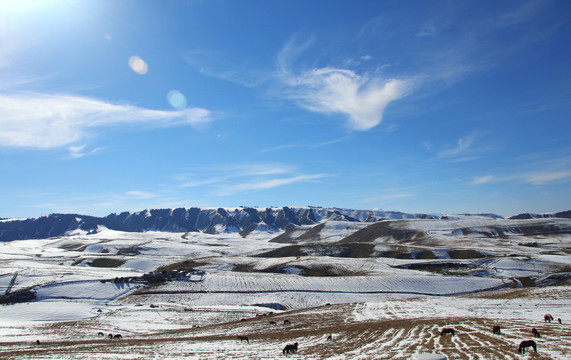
106	262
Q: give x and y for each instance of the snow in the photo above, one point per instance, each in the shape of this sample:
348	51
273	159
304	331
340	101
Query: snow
370	289
41	311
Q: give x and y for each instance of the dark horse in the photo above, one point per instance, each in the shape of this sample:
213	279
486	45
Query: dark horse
526	343
447	331
117	336
244	338
497	330
287	322
535	332
548	318
290	349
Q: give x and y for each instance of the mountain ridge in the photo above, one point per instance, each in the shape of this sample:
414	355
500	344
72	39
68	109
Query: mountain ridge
243	220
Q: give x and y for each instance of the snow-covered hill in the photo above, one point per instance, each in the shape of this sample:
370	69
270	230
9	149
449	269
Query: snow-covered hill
231	264
243	220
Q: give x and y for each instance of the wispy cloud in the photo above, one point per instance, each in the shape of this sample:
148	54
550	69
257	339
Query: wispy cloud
48	121
478	180
234	179
266	184
534	178
395	196
361	98
539	172
136	194
307	146
467	148
223	66
77	152
525	11
540	178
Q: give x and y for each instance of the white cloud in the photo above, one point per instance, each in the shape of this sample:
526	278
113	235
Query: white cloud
267	184
136	194
341	91
361	98
48	121
396	196
535	178
462	146
483	179
78	151
546	177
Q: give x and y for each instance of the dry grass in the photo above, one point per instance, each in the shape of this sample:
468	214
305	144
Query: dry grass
376	339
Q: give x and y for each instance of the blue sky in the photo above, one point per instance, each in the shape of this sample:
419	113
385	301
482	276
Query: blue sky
414	106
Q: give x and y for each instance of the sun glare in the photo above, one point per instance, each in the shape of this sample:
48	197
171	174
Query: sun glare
8	6
138	65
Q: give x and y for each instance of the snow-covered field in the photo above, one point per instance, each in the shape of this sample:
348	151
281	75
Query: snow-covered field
388	306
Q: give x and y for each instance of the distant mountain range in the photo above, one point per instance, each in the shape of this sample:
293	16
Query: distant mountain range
241	220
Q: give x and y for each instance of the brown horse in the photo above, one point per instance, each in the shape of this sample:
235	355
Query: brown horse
290	349
526	343
548	318
497	330
287	322
535	332
447	331
244	338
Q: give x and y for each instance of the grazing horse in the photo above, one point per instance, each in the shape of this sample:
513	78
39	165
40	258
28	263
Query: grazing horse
559	319
287	322
244	338
548	318
447	331
100	334
290	349
117	336
38	342
497	330
535	332
273	323
526	343
110	336
330	337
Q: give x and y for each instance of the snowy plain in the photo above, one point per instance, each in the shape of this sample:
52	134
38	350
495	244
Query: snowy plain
76	299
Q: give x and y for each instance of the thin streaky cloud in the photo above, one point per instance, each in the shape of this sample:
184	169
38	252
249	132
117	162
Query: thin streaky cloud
467	148
267	184
77	152
478	180
544	178
526	11
533	178
307	146
48	121
140	194
218	65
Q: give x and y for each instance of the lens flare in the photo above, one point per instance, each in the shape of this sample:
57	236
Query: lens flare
138	65
176	99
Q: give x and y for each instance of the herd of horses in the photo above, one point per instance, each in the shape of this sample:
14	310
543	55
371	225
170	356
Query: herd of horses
110	336
292	348
498	331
